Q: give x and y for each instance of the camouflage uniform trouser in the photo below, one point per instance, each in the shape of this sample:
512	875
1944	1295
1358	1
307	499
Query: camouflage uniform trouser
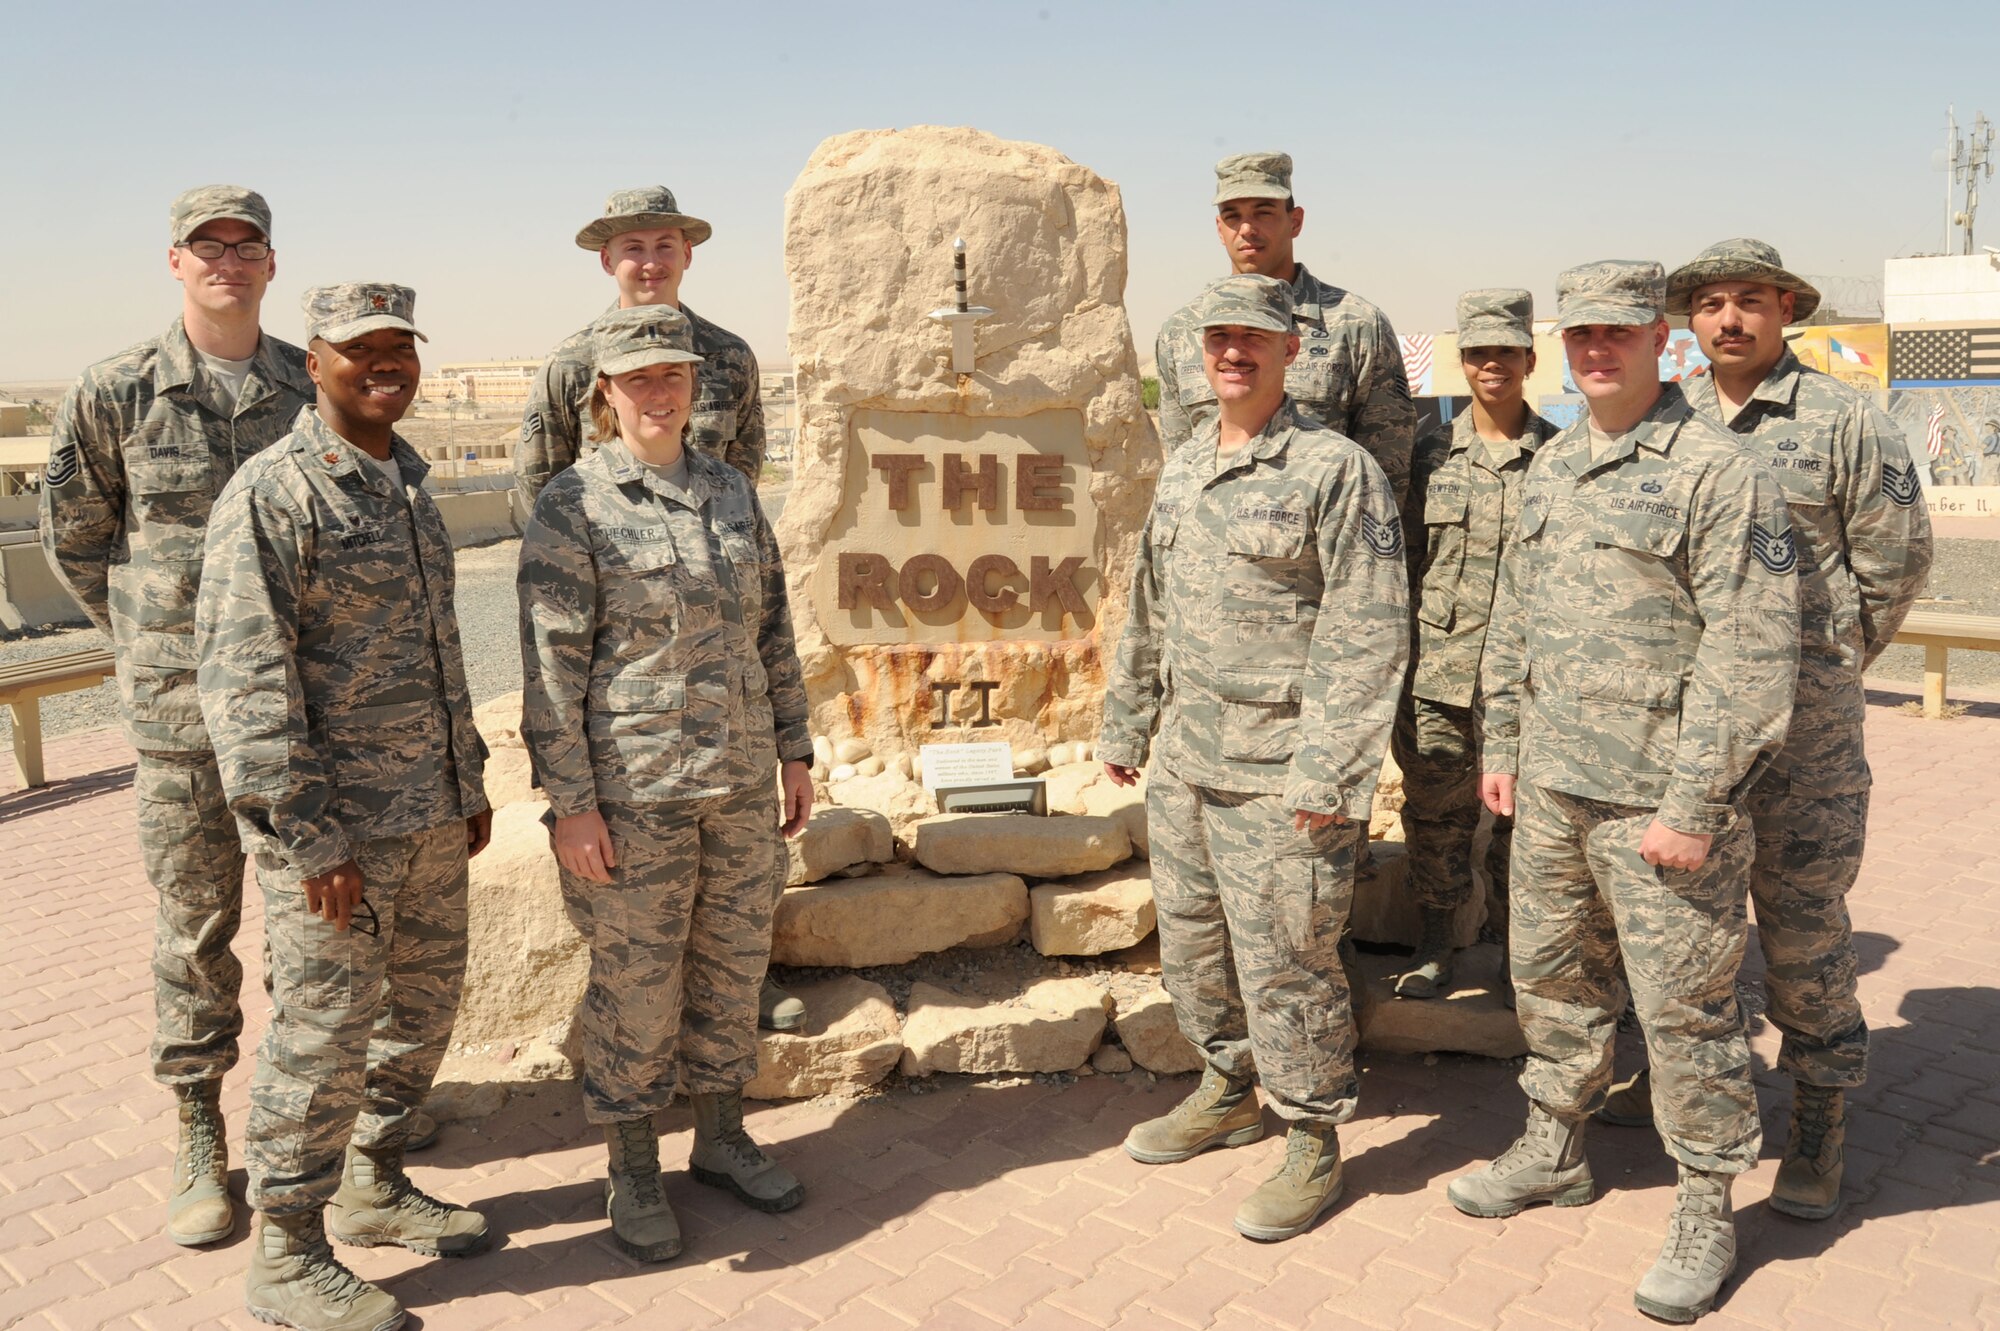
1584	901
359	1022
187	837
1250	917
1808	856
679	942
1437	746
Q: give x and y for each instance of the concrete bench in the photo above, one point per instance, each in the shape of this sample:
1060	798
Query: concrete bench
1937	632
23	686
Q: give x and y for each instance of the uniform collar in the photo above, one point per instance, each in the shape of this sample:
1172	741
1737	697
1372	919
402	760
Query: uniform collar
335	456
1310	296
1269	443
1464	435
1780	387
180	362
1655	433
626	469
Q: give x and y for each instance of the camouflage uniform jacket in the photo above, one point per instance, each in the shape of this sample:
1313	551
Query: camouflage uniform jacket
330	668
143	444
1464	497
1645	637
1269	623
1348	375
1864	541
656	639
728	418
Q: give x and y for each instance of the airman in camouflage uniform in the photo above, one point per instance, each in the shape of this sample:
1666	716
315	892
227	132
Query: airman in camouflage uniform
142	445
1864	542
1465	494
333	685
1638	676
662	689
1267	637
729	415
1349	372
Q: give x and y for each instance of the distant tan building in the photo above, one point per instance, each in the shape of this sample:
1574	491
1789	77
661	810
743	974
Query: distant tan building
779	390
482	383
13	419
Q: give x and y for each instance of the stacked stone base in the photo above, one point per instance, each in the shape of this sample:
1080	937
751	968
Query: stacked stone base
926	944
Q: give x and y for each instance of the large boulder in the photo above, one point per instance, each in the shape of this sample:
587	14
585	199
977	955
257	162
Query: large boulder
508	777
1147	1029
1093	914
499	720
834	839
1472	1019
889	793
1385	822
896	916
975	595
1127	804
850	1042
1052	1026
1053	847
526	965
1385	909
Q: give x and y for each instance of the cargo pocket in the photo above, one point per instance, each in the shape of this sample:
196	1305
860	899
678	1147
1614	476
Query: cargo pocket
644	718
1309	903
278	1093
312	963
1260	577
1258	718
385	757
1642	707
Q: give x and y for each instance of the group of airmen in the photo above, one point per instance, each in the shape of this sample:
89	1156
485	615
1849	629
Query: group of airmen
1636	643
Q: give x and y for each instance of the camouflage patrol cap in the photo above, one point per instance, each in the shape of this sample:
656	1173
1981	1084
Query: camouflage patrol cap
1611	291
1253	176
192	209
1496	317
638	210
627	340
1247	300
337	313
1739	260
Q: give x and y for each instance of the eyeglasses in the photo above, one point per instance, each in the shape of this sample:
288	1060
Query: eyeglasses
365	920
250	251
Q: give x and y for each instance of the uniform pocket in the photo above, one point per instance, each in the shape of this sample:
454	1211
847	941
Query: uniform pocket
1258	719
313	964
642	717
710	428
170	503
1260	579
1306	909
1632	576
384	756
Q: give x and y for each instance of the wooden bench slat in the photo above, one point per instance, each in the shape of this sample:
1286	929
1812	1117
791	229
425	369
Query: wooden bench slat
56	669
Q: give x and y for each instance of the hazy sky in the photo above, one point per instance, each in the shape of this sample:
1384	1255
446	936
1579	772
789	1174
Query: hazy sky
457	148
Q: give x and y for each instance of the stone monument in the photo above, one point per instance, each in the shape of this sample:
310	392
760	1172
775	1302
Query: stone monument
961	522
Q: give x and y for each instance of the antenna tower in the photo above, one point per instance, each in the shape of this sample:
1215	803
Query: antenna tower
1965	163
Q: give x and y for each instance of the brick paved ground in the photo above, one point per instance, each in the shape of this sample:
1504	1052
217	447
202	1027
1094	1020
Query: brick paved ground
975	1207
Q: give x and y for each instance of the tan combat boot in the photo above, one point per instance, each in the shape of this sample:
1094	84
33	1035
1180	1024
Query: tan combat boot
1808	1183
1629	1103
635	1196
1219	1112
378	1204
723	1156
1307	1183
1698	1255
199	1211
295	1280
1430	969
1545	1165
778	1010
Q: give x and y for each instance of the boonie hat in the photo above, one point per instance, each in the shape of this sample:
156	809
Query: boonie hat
1496	317
337	313
1253	176
638	210
1739	260
627	340
1611	291
1247	300
195	208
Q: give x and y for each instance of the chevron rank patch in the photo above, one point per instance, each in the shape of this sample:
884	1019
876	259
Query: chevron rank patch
1384	536
1776	551
62	465
1900	485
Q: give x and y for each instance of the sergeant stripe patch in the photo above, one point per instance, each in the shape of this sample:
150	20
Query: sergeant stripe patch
1385	538
1777	551
62	465
1900	484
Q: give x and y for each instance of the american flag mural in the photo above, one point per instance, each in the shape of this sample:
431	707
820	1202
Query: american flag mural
1419	358
1934	357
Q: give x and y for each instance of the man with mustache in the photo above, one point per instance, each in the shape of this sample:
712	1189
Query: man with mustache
646	244
1349	371
1864	542
332	681
1268	632
1465	496
142	445
1638	679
